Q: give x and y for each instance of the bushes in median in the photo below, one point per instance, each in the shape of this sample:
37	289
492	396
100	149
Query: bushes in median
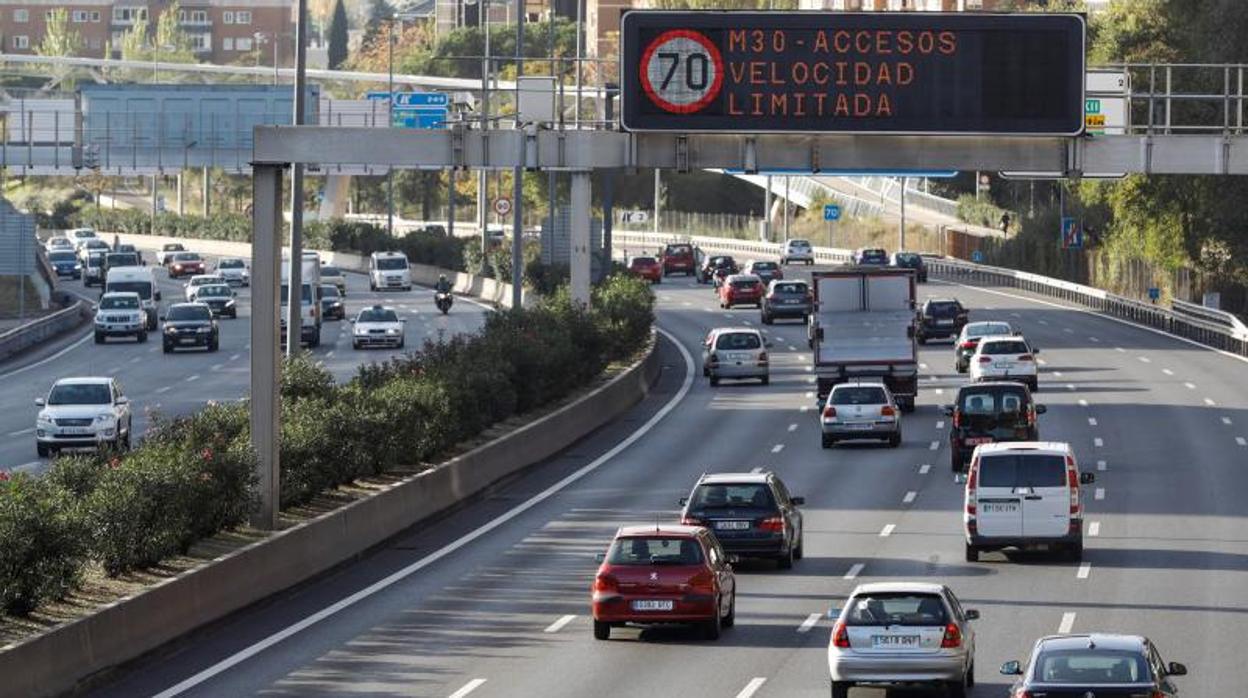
194	476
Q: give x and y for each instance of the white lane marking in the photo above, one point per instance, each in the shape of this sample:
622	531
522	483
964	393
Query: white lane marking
1057	374
1070	386
1091	421
388	581
54	357
163	388
810	395
1144	359
558	624
234	357
1094	340
135	360
1068	623
803	408
1210	402
1015	315
113	371
467	688
1241	441
1094	529
792	348
1098	442
687	304
925	468
752	687
1084	570
809	622
747	323
934	446
940	424
1102	465
20	432
854	570
1100	493
1226	421
1167	371
887	531
1083	403
810	379
923	366
329	354
1190	386
909	497
1044	322
192	378
757	470
777	448
1067	330
728	315
217	367
1120	349
793	427
940	391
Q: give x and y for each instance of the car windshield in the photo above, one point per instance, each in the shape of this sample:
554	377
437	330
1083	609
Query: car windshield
677	250
143	288
738	341
123	259
1091	666
992	401
62	257
655	550
230	264
942	309
391	263
791	287
329	291
859	395
182	313
896	608
186	257
1004	347
798	243
119	303
745	495
975	330
216	291
378	315
331	271
1022	470
908	258
80	394
95	260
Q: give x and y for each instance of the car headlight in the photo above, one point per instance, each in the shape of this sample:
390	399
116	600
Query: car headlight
43	420
360	332
229	303
103	418
77	267
170	329
203	330
392	331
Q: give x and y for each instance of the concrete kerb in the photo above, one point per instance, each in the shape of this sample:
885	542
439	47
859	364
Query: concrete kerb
21	338
65	657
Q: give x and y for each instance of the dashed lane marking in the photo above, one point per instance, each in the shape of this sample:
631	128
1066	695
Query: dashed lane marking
909	497
810	395
1167	371
164	388
803	408
777	448
752	687
558	624
1120	349
1100	493
854	571
1190	386
809	623
1102	465
1083	403
329	354
1044	322
135	360
1084	570
1144	359
1094	529
1241	441
940	425
1067	330
1067	624
1057	374
792	348
934	446
1226	421
192	378
793	427
1070	386
757	470
923	366
925	468
1209	402
234	357
887	530
20	432
1094	340
1098	442
1091	421
467	688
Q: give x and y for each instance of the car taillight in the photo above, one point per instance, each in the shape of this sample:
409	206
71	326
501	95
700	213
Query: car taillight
952	638
1023	694
1072	482
972	480
887	411
957	418
985	359
606	584
773	524
829	412
840	635
762	358
1025	357
967	345
703	582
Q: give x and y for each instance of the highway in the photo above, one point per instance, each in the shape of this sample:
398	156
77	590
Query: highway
493	600
182	382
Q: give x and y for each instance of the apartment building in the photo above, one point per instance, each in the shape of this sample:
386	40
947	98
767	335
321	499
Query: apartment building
221	31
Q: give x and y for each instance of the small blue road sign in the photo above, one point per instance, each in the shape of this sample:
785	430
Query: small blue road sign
831	212
977	256
1072	233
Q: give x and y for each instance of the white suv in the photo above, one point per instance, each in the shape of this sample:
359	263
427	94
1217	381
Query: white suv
1024	494
797	251
1005	358
389	270
120	315
83	413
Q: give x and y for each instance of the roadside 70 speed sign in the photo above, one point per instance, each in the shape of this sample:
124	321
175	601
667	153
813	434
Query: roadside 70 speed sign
682	71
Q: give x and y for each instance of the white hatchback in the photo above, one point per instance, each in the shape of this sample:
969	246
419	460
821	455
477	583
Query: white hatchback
1005	358
797	251
192	286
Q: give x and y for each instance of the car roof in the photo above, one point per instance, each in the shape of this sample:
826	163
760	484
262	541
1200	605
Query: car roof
941	300
1041	447
84	380
389	254
1108	641
886	587
663	529
119	294
859	384
722	478
744	330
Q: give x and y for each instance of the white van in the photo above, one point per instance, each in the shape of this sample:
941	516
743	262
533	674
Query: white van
389	270
138	280
1024	494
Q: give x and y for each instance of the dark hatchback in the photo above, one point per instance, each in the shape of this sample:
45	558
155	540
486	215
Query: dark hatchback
990	413
717	266
189	325
1098	665
786	299
939	318
752	515
871	256
332	307
911	260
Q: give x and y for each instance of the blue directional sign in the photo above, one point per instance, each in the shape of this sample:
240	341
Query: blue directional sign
1154	294
977	256
831	212
1072	233
426	110
421	99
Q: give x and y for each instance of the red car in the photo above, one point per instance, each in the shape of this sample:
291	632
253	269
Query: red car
664	574
647	268
185	264
678	257
741	289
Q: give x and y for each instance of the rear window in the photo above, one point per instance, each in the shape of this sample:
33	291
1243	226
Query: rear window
119	303
1011	347
766	266
791	287
745	283
942	309
655	550
330	271
62	257
721	261
992	402
738	341
643	261
391	263
859	395
896	608
186	257
237	264
1087	666
378	315
908	258
746	495
799	243
172	247
1022	470
985	329
678	250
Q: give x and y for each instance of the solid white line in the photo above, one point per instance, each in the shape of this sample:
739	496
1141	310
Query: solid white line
1098	442
887	531
777	448
1091	421
1226	421
192	378
558	625
468	688
1144	359
854	571
1167	371
54	357
752	687
1190	386
809	622
793	427
1070	386
1240	440
1084	570
925	468
1067	624
497	522
163	388
1094	340
1210	402
1094	529
909	497
1100	493
234	357
940	425
20	432
1083	403
1102	465
935	446
757	470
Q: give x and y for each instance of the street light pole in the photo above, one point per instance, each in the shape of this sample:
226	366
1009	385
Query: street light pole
390	124
517	176
295	306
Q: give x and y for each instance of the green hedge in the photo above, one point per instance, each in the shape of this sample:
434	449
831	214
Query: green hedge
193	476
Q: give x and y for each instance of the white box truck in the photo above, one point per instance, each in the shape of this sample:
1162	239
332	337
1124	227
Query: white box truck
310	312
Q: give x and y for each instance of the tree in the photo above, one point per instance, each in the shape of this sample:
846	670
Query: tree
338	36
59	40
379	13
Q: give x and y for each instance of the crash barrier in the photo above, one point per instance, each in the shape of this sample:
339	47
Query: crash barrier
1214	328
35	332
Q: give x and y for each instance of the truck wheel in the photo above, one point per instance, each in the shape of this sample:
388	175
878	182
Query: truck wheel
826	440
840	689
972	553
42	450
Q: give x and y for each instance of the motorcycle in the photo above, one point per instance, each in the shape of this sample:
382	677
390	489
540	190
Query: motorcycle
443	300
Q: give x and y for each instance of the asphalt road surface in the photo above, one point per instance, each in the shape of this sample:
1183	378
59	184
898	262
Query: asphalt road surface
493	600
182	382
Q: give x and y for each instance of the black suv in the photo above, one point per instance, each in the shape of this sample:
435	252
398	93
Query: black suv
940	317
189	325
988	413
752	515
911	260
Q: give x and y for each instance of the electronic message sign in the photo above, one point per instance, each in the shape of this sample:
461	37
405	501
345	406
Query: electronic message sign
853	72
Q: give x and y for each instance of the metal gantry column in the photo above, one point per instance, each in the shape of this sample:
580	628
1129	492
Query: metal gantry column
580	200
266	258
294	319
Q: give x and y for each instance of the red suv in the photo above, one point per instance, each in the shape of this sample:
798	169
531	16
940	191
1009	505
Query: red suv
647	268
664	574
741	289
678	258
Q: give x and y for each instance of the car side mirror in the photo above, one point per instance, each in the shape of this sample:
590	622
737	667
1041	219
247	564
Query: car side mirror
971	614
40	402
682	501
1087	478
948	410
798	501
1012	668
1041	409
1176	669
123	400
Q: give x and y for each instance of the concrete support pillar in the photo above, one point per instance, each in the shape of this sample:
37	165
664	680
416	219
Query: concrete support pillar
207	188
334	203
580	262
266	258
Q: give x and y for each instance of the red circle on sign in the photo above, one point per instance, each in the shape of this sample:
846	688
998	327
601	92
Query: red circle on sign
711	51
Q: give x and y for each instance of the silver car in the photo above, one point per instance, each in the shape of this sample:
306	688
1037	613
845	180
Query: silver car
860	411
735	352
903	633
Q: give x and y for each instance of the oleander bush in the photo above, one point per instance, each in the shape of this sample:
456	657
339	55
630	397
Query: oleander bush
194	476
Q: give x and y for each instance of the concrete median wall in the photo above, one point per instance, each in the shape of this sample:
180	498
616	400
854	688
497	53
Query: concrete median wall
38	331
64	658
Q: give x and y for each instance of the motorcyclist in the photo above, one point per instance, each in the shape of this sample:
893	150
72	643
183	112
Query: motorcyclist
443	285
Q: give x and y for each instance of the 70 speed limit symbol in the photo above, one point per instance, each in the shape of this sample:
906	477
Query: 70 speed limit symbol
681	71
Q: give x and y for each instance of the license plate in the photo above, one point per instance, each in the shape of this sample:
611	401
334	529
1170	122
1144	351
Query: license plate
1003	366
894	640
860	427
652	605
792	301
999	507
975	441
944	322
75	430
187	340
732	525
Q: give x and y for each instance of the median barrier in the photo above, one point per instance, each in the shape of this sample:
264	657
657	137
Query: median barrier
67	657
20	338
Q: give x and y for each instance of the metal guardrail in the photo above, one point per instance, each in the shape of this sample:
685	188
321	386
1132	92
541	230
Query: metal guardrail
1209	327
